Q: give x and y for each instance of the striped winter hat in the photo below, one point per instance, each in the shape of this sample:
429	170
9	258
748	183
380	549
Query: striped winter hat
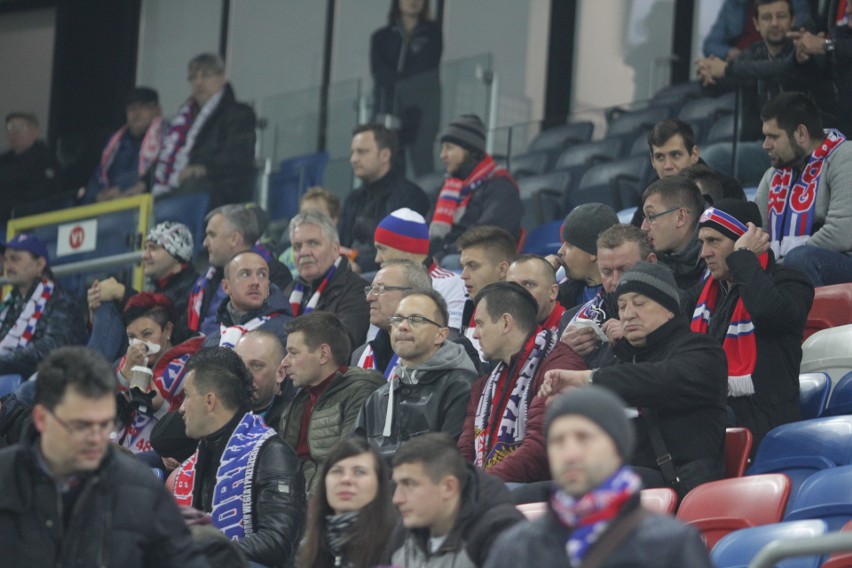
466	131
404	230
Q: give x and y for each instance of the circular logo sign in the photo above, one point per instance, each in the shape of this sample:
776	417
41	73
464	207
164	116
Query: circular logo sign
76	237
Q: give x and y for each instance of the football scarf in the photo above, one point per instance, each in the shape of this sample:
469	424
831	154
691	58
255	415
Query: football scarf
20	334
147	154
298	293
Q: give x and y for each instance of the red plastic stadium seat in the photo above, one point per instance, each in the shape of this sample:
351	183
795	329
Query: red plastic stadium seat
721	507
840	559
662	500
738	443
832	307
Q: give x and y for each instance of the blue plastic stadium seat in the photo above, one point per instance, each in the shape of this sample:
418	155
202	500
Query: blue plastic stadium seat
825	495
544	239
737	549
294	176
813	394
840	402
189	209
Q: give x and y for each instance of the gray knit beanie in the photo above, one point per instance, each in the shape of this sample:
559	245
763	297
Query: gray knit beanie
601	406
585	222
654	281
466	131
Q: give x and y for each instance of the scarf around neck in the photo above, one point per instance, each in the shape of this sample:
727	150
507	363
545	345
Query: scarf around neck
233	494
21	334
589	516
338	533
500	422
147	153
298	293
457	193
792	205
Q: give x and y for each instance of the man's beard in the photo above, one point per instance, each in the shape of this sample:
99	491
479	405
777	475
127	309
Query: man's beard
799	156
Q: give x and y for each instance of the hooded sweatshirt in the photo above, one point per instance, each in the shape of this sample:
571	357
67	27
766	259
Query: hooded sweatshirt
430	397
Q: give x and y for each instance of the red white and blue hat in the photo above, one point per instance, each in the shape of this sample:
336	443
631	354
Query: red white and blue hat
731	217
404	230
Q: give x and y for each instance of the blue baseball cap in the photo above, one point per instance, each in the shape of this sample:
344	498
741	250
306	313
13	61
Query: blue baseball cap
27	242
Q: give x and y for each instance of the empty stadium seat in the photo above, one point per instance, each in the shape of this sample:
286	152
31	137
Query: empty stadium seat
8	383
702	113
840	402
431	184
677	94
721	130
618	184
529	164
544	239
661	500
800	449
559	137
636	121
738	442
189	209
828	351
588	154
737	549
294	176
542	196
813	394
825	495
719	507
832	307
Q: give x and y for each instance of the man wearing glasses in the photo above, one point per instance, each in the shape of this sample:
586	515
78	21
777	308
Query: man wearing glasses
671	207
429	388
70	498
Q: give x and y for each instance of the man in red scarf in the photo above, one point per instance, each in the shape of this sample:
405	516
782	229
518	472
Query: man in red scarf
757	309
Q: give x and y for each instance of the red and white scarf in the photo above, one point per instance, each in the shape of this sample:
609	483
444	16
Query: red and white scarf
179	140
551	322
500	423
298	293
457	193
196	299
739	345
792	205
230	334
20	335
147	154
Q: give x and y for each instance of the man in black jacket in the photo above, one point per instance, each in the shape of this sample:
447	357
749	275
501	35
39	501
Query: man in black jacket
209	146
385	190
429	387
451	512
757	310
238	453
595	494
677	379
71	499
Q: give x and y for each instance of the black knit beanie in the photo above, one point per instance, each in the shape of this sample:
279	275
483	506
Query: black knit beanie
585	222
466	131
601	406
654	281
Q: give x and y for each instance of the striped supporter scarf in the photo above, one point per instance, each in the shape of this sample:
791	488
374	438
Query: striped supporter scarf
196	299
457	193
233	494
739	345
147	154
298	293
20	335
588	517
792	205
229	335
500	422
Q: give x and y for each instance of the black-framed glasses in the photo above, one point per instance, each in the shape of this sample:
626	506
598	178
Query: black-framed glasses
412	320
379	289
79	429
653	216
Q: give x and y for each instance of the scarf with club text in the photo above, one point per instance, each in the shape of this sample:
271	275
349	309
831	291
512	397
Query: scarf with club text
20	335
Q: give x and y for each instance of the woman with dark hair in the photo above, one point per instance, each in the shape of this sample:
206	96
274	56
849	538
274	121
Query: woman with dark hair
352	515
150	375
404	60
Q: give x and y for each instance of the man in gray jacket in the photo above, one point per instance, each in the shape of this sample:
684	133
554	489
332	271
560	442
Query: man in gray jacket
429	388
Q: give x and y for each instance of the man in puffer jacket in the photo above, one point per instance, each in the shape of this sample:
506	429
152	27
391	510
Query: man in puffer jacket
429	388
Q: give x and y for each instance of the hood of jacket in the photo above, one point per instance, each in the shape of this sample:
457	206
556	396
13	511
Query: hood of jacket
449	356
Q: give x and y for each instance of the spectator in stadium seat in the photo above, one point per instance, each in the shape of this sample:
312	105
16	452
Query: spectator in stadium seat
36	316
385	189
252	302
594	496
231	229
318	199
330	393
677	379
709	182
502	432
476	192
671	208
405	234
238	454
486	252
536	274
757	310
735	28
619	249
209	145
167	264
28	170
130	152
66	463
429	388
838	49
351	515
451	512
805	199
577	254
326	282
262	352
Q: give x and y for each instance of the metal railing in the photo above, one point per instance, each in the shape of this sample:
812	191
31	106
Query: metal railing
770	554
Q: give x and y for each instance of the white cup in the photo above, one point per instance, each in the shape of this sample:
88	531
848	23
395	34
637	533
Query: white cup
140	377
